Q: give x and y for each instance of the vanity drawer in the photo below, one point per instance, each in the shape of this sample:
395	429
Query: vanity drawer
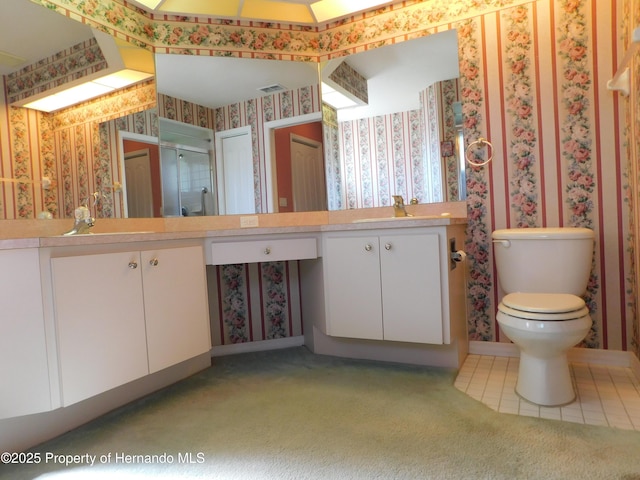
254	251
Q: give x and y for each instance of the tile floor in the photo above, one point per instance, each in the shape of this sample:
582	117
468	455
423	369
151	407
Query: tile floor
607	396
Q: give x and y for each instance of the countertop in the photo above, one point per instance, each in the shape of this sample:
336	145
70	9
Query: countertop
46	233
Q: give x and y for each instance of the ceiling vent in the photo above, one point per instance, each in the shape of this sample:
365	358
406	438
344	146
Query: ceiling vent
275	88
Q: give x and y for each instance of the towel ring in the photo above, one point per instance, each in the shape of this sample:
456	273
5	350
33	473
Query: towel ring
480	142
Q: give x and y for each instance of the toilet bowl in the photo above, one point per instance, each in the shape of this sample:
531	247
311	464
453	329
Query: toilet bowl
543	272
544	326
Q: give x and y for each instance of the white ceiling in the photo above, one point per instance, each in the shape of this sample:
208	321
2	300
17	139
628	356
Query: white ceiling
397	73
32	32
218	81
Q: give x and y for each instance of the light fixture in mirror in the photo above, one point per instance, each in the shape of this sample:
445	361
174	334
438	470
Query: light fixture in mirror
86	91
109	64
335	98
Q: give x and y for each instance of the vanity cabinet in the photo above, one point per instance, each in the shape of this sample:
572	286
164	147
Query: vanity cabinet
24	371
384	286
123	315
175	305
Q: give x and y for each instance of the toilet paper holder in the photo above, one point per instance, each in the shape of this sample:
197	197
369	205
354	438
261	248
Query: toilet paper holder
456	256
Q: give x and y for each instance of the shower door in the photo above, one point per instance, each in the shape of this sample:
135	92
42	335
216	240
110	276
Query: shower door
187	186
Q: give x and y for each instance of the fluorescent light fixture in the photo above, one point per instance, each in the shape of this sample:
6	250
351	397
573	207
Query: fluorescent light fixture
86	91
336	99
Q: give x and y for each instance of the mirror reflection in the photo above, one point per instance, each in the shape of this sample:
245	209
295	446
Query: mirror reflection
264	135
394	130
257	115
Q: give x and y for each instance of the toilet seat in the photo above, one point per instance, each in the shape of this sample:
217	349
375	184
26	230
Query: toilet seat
543	306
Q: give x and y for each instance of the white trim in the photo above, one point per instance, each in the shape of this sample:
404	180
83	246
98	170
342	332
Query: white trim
136	137
259	346
612	358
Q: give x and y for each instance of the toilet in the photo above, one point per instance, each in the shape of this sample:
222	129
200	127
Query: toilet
543	273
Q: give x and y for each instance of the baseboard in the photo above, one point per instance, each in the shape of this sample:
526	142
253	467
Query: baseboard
612	358
277	343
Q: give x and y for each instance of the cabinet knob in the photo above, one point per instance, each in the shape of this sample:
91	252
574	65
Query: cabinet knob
133	265
153	262
387	246
368	247
267	250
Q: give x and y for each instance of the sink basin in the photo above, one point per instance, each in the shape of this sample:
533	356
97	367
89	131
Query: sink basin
415	217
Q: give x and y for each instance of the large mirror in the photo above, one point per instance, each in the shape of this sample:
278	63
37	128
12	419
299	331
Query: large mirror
218	101
269	153
396	129
255	123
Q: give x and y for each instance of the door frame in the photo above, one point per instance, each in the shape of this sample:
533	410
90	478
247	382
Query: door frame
270	183
122	188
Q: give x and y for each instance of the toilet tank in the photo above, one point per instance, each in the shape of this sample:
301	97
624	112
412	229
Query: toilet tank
543	260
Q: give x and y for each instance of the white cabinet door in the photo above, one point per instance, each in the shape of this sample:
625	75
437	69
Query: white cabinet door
384	287
24	371
176	308
352	287
411	290
100	322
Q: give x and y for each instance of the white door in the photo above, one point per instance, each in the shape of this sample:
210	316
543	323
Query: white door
307	175
137	166
234	170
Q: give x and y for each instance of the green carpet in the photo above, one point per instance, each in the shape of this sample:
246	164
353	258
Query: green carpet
289	414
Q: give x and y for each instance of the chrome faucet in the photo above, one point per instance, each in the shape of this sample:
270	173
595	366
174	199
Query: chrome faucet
398	207
83	219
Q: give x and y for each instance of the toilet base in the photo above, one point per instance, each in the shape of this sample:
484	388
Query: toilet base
545	381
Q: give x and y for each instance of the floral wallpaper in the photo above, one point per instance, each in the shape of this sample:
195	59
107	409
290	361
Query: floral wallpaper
254	302
531	82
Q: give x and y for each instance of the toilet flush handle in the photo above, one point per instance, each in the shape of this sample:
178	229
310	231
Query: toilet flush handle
505	243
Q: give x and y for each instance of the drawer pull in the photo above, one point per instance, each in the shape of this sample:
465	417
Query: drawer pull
133	265
368	247
153	262
267	250
387	246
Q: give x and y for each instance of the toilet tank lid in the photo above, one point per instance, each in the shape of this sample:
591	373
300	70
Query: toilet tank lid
568	233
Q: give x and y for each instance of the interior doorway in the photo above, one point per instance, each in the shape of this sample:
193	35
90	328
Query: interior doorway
234	169
307	175
139	198
137	167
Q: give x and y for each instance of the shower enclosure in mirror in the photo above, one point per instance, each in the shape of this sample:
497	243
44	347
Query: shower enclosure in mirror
168	176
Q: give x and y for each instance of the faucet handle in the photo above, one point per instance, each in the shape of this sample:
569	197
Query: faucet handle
398	200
